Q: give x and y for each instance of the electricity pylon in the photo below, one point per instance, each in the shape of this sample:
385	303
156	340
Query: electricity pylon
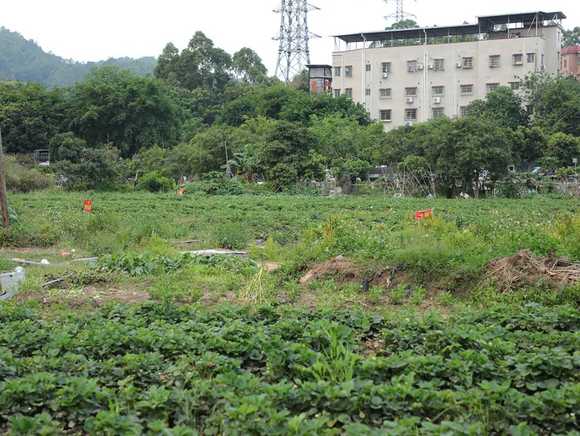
294	38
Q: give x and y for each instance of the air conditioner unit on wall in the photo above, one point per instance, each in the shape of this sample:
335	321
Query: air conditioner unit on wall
459	65
386	75
420	67
410	100
437	100
431	67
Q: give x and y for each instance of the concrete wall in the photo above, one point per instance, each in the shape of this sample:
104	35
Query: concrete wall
546	48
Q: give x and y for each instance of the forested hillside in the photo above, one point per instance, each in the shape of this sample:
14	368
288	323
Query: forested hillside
24	60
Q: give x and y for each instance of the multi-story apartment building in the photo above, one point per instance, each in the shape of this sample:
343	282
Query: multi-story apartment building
413	75
571	61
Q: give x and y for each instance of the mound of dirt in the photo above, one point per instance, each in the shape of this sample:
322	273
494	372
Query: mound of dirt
510	273
339	268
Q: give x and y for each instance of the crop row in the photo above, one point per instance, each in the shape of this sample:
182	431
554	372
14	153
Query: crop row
162	368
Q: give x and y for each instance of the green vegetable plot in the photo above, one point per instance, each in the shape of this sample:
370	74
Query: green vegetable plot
181	370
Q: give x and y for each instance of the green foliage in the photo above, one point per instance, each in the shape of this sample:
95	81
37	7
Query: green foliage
155	182
553	103
168	368
563	148
29	116
131	112
95	168
457	151
231	235
571	37
502	106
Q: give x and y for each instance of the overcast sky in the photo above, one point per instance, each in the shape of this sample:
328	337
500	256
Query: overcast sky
91	30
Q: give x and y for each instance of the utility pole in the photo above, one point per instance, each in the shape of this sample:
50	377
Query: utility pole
3	199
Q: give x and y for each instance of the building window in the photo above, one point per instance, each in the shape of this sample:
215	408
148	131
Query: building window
412	66
386	67
438	91
411	92
531	58
368	92
492	87
577	58
515	85
410	114
494	61
368	67
385	115
348	92
337	71
337	92
348	71
463	111
385	93
467	63
518	59
439	65
438	112
466	89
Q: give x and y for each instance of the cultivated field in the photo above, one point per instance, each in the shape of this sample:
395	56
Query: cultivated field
340	316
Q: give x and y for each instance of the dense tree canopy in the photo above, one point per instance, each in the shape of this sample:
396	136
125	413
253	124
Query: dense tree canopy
208	113
115	107
30	115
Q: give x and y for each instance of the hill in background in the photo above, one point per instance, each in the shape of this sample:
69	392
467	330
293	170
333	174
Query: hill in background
24	60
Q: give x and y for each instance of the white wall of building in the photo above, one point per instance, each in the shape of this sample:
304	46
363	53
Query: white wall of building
545	48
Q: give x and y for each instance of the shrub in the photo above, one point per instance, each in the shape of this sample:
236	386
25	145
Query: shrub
155	182
22	179
231	236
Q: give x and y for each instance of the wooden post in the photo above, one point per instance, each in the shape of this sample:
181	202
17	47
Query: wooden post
3	198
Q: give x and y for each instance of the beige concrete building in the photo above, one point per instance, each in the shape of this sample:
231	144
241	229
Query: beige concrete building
413	75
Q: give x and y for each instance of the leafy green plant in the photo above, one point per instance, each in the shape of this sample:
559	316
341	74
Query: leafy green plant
155	182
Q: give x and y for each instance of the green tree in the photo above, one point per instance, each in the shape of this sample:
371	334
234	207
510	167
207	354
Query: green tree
343	141
553	103
30	115
404	24
248	66
115	106
95	168
501	105
571	37
66	146
563	148
199	65
167	64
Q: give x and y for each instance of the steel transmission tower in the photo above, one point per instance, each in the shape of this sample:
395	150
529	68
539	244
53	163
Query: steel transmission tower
400	13
294	38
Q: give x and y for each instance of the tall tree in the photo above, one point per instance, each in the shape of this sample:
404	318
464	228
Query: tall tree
131	112
553	103
200	65
167	64
29	116
248	66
